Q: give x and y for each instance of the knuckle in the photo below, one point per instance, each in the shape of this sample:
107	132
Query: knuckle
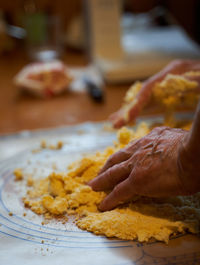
118	169
110	176
137	156
108	173
115	157
110	161
129	165
177	62
133	146
116	191
159	130
124	153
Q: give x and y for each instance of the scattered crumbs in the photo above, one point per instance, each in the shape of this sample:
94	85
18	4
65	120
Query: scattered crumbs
42	241
24	214
59	145
10	213
43	144
30	181
18	174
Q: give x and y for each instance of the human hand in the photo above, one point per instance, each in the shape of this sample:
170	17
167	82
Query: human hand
177	67
147	167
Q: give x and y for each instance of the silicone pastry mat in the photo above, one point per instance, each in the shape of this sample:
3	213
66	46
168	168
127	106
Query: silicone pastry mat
23	240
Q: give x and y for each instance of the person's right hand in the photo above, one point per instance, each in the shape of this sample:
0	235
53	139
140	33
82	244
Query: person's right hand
177	67
160	164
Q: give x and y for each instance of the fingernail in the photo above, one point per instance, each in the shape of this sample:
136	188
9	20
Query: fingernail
101	207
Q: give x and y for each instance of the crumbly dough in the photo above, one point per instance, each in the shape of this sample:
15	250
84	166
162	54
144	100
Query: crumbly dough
143	219
176	90
173	92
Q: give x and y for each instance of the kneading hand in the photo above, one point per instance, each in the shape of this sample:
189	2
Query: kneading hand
177	67
149	166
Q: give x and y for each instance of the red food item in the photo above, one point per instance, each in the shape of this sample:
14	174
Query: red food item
44	79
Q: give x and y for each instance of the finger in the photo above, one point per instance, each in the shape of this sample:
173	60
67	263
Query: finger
115	115
143	99
123	192
131	111
119	122
112	176
117	118
116	158
125	116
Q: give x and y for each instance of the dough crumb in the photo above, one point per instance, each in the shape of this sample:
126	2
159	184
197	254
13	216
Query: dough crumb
30	181
18	174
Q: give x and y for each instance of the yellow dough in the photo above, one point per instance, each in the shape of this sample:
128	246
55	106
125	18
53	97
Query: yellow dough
173	92
143	219
176	90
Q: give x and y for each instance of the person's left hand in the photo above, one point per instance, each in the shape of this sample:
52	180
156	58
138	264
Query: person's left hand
147	167
176	67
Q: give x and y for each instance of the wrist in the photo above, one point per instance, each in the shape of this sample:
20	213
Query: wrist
188	167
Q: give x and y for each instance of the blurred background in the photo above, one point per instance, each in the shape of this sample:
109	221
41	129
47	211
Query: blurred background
105	44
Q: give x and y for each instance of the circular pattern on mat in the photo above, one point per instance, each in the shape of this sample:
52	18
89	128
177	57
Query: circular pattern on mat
29	228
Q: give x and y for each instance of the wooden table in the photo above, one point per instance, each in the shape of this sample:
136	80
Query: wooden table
24	112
